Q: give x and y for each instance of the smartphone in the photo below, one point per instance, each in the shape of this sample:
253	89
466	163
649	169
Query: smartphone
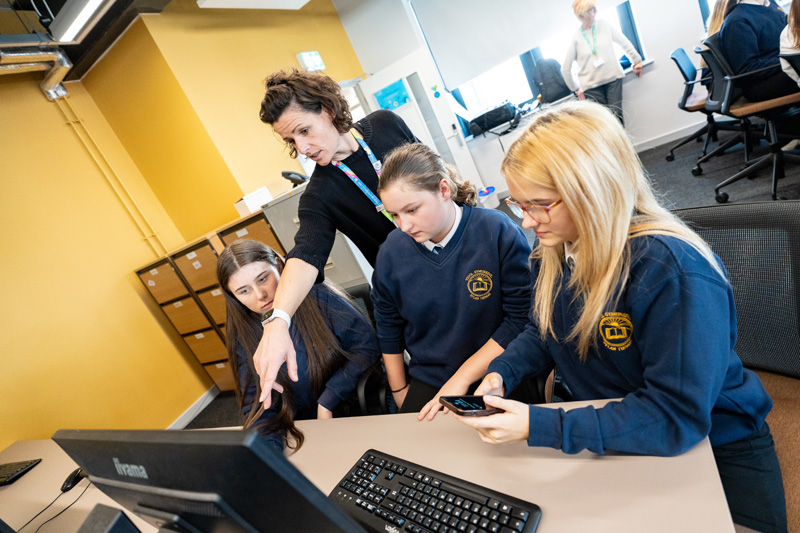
468	405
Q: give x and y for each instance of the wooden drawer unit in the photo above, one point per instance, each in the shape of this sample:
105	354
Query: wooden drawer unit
198	265
186	316
207	346
162	281
254	228
214	302
221	374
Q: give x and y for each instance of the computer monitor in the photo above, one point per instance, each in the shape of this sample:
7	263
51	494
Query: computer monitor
203	481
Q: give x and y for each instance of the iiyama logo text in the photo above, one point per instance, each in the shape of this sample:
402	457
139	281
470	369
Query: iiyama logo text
130	470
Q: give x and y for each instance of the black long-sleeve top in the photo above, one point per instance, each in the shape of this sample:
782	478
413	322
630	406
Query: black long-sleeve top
332	202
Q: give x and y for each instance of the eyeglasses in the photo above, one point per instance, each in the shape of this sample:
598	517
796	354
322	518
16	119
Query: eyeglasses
539	213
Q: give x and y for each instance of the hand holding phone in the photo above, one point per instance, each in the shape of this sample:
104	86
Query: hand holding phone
468	405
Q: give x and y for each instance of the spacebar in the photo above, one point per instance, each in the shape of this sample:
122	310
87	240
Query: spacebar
464	493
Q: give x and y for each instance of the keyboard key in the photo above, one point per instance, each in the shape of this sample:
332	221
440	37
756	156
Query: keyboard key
519	513
516	524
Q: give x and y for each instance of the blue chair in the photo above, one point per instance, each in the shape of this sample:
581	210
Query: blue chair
693	100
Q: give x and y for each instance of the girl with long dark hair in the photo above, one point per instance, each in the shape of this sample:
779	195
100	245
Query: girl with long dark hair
334	343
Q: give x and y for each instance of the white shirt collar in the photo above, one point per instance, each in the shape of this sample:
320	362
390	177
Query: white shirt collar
430	244
764	3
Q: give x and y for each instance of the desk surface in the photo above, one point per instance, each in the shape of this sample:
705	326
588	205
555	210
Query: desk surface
582	492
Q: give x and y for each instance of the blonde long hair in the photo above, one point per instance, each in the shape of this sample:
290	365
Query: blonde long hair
794	23
582	151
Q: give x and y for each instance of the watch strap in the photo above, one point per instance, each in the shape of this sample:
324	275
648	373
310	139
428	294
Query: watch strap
277	313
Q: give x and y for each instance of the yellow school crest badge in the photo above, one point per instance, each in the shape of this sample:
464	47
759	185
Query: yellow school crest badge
479	285
616	330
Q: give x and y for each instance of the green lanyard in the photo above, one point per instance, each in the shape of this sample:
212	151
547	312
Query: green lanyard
594	38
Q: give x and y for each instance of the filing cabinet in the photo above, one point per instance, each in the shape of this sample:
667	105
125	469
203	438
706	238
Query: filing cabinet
207	346
184	283
346	265
222	375
214	301
186	315
162	281
198	265
254	227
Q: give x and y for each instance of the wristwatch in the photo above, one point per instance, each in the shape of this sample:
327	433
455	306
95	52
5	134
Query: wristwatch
276	313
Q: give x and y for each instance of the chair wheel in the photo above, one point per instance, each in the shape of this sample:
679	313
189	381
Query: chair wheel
721	197
696	171
699	139
670	157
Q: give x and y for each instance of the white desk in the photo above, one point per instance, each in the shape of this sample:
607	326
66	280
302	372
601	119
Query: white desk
577	493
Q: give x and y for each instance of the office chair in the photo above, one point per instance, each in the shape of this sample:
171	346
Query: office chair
725	98
693	100
759	244
373	387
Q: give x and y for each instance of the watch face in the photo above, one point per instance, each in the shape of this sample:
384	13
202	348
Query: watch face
266	317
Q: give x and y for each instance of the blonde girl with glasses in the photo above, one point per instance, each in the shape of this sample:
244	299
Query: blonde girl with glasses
646	314
450	284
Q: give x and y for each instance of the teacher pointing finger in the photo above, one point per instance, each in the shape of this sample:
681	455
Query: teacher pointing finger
310	114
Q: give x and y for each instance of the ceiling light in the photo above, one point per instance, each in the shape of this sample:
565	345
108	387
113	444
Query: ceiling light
76	18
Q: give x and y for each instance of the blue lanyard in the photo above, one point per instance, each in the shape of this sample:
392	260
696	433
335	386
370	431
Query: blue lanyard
355	179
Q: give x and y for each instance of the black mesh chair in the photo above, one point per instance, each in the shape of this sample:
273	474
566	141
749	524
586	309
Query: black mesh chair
373	388
693	100
759	243
725	98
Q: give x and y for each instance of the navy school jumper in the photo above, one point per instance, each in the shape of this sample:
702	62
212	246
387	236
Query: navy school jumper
666	349
443	307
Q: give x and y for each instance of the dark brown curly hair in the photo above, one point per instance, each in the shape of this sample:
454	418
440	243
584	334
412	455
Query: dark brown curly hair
310	91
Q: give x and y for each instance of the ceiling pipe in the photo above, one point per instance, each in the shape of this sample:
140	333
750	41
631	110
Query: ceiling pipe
54	60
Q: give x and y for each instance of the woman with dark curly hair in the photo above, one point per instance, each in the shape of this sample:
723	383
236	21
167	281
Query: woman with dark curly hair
313	118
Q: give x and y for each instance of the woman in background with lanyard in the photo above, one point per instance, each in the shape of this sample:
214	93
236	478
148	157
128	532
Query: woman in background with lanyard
313	118
592	48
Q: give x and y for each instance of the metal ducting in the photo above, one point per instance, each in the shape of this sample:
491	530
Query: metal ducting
53	60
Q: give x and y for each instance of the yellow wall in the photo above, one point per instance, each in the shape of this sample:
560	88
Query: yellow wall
137	93
221	57
81	342
174	106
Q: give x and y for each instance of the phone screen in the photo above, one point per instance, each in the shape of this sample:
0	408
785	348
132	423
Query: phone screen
468	405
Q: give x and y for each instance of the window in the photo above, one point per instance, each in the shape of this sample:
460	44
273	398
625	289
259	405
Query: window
513	80
506	81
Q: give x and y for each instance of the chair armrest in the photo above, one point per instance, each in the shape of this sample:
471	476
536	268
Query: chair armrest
745	74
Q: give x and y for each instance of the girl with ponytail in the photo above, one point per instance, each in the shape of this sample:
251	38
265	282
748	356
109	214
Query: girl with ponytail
450	284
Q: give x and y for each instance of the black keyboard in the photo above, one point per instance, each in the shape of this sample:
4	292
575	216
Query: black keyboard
10	472
388	494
